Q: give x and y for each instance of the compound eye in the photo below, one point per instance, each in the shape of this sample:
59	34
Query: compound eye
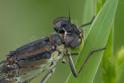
58	24
63	25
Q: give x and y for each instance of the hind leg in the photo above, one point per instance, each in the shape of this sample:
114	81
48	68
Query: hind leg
47	76
72	66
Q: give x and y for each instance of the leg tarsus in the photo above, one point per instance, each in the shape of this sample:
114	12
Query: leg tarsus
86	24
72	66
89	55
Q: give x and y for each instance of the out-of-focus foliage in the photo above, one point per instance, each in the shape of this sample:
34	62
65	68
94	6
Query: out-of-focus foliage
120	65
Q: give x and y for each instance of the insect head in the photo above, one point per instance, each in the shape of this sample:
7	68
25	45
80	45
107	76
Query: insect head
72	35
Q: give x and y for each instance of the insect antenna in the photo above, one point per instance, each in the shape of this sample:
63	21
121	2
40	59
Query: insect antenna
69	16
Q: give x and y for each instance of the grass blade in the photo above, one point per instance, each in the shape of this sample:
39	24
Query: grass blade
97	38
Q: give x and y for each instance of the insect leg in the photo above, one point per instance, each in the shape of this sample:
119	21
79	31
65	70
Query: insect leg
86	24
72	66
48	75
65	61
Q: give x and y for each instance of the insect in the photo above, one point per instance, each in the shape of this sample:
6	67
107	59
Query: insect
43	54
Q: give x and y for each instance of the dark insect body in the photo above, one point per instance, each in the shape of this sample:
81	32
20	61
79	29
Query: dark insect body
26	62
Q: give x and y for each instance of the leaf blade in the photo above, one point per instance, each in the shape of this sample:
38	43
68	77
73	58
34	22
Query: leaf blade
101	25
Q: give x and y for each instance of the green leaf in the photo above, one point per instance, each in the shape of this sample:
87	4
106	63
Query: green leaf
88	13
97	38
107	68
99	5
106	72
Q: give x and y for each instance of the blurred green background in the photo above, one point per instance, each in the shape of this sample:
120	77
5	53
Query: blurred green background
119	27
22	21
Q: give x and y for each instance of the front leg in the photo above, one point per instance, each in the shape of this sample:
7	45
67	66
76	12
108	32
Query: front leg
72	66
89	23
